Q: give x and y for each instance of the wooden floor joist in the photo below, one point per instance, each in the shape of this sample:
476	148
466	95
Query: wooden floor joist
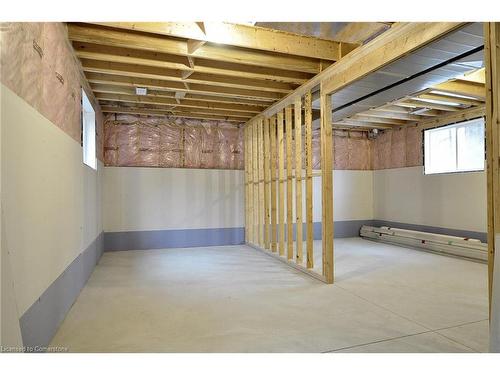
401	39
179	63
99	88
155	112
157	43
193	61
178	103
245	36
149	72
176	86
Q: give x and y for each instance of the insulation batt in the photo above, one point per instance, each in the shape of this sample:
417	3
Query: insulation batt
132	140
398	148
172	143
38	63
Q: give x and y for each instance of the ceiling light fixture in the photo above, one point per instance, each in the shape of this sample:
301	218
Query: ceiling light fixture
437	92
443	102
141	91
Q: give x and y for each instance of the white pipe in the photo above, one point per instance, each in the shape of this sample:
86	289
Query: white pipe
473	249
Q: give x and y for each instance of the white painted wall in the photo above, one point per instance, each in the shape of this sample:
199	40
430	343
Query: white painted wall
138	199
50	200
455	200
352	196
10	331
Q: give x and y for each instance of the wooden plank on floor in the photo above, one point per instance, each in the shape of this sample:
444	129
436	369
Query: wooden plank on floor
327	185
289	181
274	179
298	179
281	189
267	185
309	181
492	55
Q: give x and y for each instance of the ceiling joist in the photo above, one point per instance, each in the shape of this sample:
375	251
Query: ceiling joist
245	36
177	101
97	52
175	86
132	70
154	112
124	90
159	43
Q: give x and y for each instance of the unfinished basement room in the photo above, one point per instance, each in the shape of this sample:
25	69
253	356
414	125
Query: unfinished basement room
263	187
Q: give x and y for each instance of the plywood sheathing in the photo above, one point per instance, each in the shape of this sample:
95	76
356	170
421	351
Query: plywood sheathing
39	65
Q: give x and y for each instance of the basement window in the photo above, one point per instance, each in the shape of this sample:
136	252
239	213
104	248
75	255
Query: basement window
88	132
455	148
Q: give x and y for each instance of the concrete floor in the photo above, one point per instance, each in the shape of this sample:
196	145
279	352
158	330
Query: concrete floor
237	299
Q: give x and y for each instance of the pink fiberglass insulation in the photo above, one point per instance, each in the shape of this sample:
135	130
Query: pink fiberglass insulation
230	147
171	152
383	150
172	143
148	141
316	149
360	151
352	150
413	147
398	148
39	65
340	152
127	141
209	138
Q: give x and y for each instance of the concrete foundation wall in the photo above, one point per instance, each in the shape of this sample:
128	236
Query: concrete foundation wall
51	205
455	200
145	199
169	207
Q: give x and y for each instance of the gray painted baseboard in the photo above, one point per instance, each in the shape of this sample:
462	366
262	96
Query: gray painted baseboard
160	239
342	229
41	321
351	228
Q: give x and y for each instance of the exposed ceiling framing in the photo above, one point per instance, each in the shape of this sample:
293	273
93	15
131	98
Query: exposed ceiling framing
452	98
201	70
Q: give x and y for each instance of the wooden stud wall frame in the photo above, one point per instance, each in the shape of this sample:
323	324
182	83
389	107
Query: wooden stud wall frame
276	178
293	113
492	63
